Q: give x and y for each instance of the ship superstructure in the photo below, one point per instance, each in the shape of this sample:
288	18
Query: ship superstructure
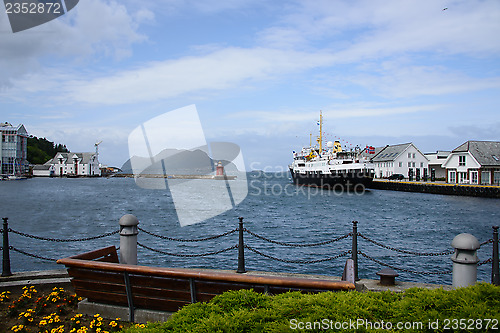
333	167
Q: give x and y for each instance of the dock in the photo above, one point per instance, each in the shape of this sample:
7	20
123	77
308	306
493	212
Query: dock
485	191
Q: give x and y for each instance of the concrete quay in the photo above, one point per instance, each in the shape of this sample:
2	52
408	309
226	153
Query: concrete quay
486	191
42	280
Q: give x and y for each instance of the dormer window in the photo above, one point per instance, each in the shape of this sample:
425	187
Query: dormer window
461	160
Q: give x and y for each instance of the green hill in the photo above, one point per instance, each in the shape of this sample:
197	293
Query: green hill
40	150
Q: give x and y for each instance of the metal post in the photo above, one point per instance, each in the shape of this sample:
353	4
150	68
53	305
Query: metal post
128	239
464	260
241	249
6	256
354	250
495	274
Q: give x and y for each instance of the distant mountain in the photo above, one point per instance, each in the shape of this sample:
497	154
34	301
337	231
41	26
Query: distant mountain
175	161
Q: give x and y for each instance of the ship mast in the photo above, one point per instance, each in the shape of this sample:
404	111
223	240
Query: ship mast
320	138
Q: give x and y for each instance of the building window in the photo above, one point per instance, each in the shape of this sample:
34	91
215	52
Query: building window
409	155
400	164
452	177
473	177
461	160
485	177
421	164
462	177
409	164
413	155
496	178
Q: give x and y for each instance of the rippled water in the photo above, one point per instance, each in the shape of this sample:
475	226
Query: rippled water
274	208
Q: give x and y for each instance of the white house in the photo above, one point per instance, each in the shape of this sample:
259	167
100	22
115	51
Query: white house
43	170
436	161
75	164
400	159
474	162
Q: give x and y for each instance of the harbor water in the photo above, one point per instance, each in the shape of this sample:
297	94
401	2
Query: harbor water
63	208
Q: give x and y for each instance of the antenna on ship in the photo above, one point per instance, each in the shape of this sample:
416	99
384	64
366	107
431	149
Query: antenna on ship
320	138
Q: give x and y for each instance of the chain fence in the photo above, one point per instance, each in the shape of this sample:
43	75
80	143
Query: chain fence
59	240
403	269
422	254
297	261
188	240
31	254
188	255
49	239
296	244
354	235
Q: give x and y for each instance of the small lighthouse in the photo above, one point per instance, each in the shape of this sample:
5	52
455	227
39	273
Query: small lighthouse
220	169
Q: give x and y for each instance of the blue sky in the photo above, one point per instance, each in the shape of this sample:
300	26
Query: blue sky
259	72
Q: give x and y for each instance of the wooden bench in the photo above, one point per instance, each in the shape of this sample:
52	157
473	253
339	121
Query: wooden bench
98	276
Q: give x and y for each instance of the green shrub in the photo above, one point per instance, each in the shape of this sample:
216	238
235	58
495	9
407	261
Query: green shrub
248	311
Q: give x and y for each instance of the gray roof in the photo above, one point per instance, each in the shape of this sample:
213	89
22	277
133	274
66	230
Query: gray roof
486	153
41	167
19	129
85	157
367	155
390	153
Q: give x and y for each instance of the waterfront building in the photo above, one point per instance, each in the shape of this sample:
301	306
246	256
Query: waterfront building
474	162
405	159
43	170
436	161
75	164
13	149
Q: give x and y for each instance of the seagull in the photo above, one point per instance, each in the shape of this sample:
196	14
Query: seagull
445	8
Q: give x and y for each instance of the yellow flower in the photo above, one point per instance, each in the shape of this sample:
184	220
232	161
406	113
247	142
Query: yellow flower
43	322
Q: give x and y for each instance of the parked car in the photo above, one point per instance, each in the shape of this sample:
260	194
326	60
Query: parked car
396	176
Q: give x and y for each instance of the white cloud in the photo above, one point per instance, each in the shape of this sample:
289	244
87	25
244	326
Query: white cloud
369	29
394	81
93	28
219	70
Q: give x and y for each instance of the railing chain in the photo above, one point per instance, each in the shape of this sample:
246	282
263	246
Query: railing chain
187	240
31	255
58	240
406	251
295	244
298	261
487	261
188	255
486	242
403	269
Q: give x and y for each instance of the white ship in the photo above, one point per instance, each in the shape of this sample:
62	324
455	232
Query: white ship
332	168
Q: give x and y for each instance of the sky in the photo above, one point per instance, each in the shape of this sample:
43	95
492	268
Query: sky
259	72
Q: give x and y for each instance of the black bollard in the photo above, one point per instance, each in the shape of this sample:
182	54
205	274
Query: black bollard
495	274
354	250
6	256
241	249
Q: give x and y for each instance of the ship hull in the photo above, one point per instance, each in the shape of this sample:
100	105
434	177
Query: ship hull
341	181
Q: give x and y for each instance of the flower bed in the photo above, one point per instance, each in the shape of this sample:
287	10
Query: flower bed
52	312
